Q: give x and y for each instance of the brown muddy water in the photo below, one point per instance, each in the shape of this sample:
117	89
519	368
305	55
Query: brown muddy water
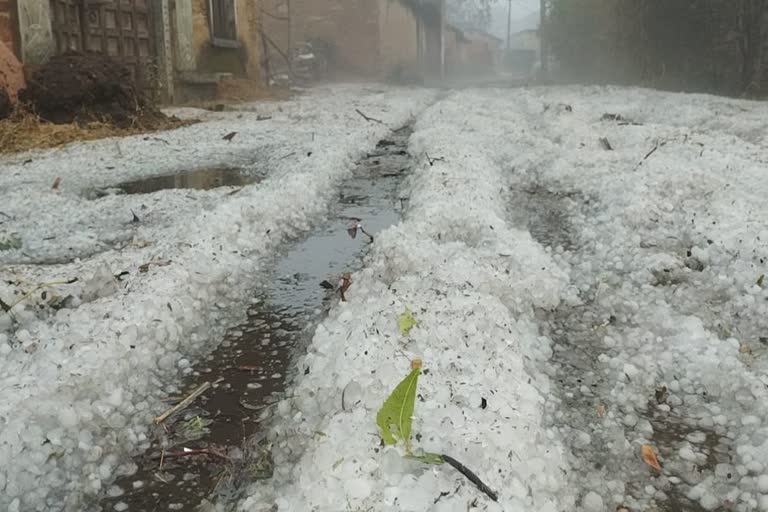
206	451
196	179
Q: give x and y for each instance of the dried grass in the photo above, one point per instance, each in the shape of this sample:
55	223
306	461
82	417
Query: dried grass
24	131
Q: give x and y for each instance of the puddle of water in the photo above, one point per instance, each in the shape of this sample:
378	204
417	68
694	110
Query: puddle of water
200	179
251	367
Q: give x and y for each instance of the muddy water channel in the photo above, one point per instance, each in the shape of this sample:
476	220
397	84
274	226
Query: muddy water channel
210	449
602	434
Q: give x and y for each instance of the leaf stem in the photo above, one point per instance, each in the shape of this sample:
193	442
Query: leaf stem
461	468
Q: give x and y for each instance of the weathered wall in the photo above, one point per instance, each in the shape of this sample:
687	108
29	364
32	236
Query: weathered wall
244	61
37	43
349	27
398	32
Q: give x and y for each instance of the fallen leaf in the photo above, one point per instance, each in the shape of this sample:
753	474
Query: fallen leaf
745	349
649	456
346	282
56	183
601	410
760	280
228	137
406	321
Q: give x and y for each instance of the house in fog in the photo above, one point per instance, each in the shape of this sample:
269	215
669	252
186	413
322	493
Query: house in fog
523	52
471	52
366	39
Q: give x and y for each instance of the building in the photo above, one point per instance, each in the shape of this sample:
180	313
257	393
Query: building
525	40
180	47
523	52
371	39
471	52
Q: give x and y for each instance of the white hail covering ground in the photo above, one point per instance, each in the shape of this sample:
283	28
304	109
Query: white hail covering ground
79	386
662	272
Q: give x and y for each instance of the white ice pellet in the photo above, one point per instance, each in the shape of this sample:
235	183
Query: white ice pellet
762	484
593	502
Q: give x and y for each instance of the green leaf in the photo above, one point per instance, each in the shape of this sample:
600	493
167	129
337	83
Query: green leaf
427	458
406	321
394	417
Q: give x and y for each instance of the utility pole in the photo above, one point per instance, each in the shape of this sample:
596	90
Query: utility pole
543	39
509	24
442	39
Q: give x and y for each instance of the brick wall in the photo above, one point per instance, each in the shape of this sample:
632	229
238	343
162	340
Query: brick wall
8	24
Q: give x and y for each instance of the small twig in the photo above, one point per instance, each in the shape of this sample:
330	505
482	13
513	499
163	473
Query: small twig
369	119
650	153
197	451
158	139
366	233
461	468
433	160
287	156
183	404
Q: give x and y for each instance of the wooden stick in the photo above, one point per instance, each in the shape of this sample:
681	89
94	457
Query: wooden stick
369	119
183	404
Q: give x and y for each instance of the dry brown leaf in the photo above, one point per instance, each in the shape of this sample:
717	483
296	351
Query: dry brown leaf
745	349
416	363
649	456
56	183
622	508
601	410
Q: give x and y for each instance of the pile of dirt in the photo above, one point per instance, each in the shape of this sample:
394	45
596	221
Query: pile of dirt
87	87
6	105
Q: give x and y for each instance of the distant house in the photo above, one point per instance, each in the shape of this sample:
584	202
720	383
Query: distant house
523	51
471	51
525	40
374	39
180	45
